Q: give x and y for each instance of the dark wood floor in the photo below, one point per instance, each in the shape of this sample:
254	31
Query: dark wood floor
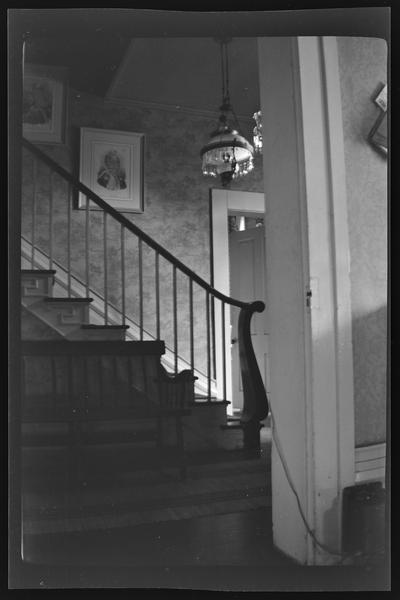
224	552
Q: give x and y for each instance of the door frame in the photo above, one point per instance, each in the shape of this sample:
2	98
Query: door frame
222	201
308	292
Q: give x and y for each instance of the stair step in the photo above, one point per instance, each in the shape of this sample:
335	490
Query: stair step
62	300
38	272
63	314
95	327
99	332
36	284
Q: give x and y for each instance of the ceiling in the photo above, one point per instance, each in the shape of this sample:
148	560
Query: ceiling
170	71
186	73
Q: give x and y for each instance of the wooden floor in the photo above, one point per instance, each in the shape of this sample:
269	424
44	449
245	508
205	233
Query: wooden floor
221	552
213	532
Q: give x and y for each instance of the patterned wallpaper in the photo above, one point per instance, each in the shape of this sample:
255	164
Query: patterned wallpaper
176	209
362	63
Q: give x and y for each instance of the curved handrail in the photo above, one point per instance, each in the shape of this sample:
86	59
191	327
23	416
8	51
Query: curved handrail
131	226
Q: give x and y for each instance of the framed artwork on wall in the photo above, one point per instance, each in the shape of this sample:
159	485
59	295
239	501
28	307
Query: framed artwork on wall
44	103
111	165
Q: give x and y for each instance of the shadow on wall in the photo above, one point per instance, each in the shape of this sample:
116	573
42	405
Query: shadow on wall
370	376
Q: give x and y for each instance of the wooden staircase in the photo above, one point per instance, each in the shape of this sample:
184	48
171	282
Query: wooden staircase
97	406
106	349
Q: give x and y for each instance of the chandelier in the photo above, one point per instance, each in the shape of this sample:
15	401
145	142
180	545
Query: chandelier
228	154
257	132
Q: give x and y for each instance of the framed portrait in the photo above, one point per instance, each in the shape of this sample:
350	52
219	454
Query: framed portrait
44	103
111	165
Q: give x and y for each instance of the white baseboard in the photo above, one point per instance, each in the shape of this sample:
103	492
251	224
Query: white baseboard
370	463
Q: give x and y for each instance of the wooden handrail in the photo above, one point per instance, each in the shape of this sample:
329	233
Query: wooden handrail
131	226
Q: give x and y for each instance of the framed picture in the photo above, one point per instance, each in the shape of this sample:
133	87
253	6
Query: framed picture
44	103
111	165
378	134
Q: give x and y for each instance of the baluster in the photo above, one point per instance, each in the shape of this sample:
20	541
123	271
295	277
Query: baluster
105	269
100	380
140	249
208	345
214	362
51	190
123	275
34	187
69	218
175	313
157	267
223	349
53	380
191	324
87	263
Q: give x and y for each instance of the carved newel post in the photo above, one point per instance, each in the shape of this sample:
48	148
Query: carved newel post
255	401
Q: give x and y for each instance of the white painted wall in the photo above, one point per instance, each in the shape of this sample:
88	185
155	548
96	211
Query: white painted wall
307	248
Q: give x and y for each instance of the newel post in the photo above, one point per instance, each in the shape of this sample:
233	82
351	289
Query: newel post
255	401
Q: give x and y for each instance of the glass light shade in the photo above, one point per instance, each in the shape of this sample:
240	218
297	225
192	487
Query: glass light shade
228	154
257	132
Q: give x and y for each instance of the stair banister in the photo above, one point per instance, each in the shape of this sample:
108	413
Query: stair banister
255	402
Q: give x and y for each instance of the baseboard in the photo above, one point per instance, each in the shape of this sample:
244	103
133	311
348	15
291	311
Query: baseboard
370	463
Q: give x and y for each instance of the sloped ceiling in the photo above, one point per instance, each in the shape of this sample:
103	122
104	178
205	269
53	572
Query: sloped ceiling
186	72
174	72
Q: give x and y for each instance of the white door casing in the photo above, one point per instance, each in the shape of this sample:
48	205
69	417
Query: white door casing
307	248
223	201
247	283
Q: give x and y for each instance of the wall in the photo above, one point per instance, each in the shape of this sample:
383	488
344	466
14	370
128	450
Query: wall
176	207
362	63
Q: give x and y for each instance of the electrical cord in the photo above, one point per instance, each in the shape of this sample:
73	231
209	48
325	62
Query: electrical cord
292	487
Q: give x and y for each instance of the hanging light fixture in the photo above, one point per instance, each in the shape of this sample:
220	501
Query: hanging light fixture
228	154
257	132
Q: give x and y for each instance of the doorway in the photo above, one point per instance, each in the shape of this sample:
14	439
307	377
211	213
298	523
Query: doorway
223	204
247	275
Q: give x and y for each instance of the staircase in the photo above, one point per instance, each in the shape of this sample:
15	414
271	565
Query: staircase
77	335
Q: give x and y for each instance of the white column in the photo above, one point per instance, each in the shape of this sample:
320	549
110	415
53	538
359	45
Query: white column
307	250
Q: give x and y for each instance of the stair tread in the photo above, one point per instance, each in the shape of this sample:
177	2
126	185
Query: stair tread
67	300
92	326
38	271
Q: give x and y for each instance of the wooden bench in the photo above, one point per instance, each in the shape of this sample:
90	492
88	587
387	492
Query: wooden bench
82	384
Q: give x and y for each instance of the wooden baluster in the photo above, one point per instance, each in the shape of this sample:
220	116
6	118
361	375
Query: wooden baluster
175	317
123	290
105	257
214	360
87	261
157	280
34	188
51	193
255	401
140	249
223	349
191	324
208	345
53	372
69	219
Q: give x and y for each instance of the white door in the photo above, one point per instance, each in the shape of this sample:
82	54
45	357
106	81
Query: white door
247	283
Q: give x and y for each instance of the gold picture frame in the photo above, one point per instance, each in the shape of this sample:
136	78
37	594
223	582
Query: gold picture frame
111	165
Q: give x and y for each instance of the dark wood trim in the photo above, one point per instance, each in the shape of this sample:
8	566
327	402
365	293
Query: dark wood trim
255	405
